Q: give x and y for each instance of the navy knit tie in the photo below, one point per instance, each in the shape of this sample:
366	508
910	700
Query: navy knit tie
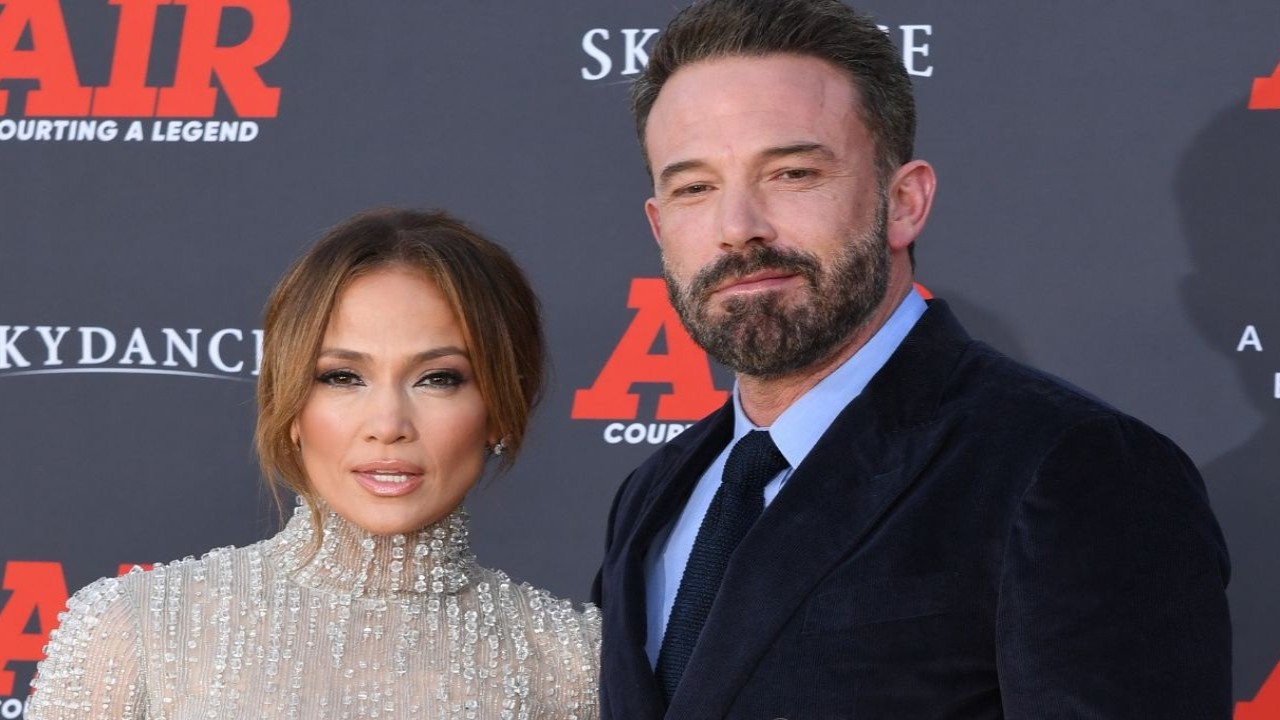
736	505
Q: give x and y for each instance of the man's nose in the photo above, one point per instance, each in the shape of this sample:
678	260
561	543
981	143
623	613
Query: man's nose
743	219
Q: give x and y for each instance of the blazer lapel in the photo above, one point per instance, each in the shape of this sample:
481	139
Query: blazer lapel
868	457
673	482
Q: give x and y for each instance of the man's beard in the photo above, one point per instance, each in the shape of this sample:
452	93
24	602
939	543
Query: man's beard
766	336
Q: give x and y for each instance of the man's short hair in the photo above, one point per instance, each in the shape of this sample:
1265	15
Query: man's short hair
825	29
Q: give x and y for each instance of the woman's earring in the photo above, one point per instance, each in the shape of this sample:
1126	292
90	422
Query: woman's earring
497	448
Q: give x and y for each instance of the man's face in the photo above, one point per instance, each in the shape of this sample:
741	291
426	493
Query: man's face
768	209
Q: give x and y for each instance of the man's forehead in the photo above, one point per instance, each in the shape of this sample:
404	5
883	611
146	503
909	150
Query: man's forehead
766	78
757	102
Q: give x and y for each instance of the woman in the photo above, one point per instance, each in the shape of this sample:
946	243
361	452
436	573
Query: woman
399	352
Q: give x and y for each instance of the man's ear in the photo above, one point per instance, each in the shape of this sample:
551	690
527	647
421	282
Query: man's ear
655	219
910	198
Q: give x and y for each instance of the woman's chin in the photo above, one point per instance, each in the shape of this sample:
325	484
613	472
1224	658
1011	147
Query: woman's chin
394	523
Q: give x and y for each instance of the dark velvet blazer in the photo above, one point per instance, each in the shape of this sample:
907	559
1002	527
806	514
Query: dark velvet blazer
969	539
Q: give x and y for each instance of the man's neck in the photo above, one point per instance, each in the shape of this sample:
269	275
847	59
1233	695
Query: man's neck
764	399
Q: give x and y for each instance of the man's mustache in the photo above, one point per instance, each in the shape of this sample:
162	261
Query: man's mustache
763	257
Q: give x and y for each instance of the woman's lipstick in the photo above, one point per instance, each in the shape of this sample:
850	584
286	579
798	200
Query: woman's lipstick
388	478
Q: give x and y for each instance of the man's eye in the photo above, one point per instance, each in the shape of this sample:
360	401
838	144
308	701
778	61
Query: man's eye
797	174
339	378
694	189
441	379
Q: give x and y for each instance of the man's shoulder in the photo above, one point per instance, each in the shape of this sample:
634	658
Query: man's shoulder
939	371
984	370
1003	395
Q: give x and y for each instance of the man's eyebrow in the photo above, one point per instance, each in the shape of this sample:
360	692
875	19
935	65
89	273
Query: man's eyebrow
676	168
800	148
425	355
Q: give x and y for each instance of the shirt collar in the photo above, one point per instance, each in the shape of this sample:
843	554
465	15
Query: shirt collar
799	427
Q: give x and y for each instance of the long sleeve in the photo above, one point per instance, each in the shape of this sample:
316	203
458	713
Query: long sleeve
1112	600
93	665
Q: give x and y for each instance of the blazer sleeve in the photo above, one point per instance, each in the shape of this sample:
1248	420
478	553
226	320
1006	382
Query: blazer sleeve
93	662
1112	599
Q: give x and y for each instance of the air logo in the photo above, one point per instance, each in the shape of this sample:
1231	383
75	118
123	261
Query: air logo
36	53
1266	92
683	366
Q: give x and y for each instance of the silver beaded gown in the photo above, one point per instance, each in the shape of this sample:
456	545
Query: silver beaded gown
401	626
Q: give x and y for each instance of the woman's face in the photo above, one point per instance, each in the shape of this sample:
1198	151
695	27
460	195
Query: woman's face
393	433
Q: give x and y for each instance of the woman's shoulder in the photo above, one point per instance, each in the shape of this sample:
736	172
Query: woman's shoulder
117	600
532	598
543	614
142	585
104	598
558	610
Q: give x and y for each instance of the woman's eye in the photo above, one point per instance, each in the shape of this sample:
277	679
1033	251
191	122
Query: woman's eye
339	378
441	379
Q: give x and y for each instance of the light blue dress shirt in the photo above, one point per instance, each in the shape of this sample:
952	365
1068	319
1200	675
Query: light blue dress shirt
795	432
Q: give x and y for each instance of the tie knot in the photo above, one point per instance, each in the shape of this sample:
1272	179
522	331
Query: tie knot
753	461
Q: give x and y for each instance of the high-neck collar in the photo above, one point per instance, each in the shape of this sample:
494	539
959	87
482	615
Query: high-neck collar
355	562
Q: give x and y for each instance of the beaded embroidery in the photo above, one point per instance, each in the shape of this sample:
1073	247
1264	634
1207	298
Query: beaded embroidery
402	626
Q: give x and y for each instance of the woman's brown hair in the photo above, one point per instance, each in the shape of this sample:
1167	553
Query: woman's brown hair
489	295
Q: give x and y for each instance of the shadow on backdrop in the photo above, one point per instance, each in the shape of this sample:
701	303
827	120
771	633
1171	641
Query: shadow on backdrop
1228	194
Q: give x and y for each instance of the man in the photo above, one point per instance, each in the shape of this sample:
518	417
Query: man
888	519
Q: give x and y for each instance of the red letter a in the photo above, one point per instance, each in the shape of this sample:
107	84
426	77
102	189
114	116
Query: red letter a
199	57
1266	704
49	60
684	366
36	587
1266	92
